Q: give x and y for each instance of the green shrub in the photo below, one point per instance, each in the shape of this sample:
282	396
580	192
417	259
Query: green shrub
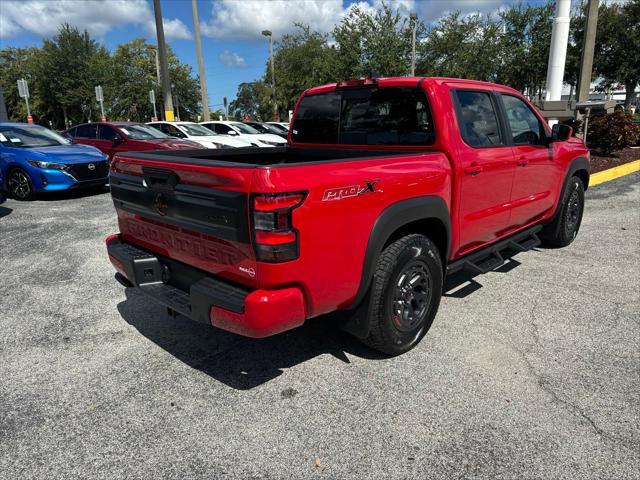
611	132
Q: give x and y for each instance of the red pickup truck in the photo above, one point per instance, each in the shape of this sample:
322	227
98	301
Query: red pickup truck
385	187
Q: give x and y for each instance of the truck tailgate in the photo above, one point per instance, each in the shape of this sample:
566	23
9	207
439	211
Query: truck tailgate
196	214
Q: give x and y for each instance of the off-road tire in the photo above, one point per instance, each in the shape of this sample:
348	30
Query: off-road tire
391	332
564	229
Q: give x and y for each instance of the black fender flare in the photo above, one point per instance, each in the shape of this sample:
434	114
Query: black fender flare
578	163
392	218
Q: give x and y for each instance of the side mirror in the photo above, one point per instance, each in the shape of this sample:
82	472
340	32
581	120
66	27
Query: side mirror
117	140
561	132
232	132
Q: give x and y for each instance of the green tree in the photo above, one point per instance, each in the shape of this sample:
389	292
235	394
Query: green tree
452	47
524	47
134	74
66	71
374	42
617	55
16	63
253	100
302	60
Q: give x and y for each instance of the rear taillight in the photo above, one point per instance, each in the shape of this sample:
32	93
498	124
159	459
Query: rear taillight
275	239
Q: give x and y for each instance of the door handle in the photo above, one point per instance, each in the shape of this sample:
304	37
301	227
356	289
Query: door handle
522	161
473	170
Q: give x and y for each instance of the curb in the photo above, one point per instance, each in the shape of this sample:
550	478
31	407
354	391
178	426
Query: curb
613	173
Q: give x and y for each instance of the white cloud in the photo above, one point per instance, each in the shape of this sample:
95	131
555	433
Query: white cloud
232	59
173	29
434	9
246	19
98	17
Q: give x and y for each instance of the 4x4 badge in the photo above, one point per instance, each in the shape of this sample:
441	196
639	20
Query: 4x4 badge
350	191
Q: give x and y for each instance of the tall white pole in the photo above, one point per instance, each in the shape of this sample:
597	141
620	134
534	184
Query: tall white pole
203	82
558	51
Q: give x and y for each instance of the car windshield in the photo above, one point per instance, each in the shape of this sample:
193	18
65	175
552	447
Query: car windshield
195	130
245	128
142	132
25	137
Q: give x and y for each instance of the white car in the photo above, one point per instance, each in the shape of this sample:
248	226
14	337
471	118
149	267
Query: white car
197	133
283	125
245	132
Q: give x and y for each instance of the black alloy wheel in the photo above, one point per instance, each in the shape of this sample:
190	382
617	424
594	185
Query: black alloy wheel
20	185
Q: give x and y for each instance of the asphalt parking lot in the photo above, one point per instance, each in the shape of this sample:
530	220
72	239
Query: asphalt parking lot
529	372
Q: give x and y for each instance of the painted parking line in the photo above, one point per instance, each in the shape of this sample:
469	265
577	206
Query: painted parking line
613	173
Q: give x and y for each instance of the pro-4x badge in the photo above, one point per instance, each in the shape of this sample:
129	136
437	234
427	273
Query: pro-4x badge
350	191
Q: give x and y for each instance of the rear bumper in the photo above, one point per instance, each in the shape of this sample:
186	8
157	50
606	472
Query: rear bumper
206	298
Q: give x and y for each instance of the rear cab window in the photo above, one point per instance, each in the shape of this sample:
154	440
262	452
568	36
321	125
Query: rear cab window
365	116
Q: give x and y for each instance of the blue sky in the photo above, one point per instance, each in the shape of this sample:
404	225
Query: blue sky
234	50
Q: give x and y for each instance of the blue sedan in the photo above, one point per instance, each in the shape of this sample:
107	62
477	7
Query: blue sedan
34	159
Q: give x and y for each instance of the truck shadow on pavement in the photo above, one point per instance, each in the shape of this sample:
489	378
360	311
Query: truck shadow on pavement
239	362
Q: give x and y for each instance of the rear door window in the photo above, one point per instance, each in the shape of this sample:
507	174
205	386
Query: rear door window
477	118
86	131
105	132
221	128
365	116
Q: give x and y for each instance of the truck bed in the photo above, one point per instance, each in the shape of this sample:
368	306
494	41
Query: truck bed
255	156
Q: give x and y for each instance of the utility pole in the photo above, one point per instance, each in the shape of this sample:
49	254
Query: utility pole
203	82
588	47
164	67
269	33
414	20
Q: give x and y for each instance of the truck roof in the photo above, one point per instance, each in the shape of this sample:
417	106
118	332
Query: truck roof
401	82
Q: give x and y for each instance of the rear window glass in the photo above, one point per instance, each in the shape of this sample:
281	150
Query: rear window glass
365	116
477	119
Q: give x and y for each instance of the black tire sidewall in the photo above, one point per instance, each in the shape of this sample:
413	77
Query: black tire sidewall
397	341
566	237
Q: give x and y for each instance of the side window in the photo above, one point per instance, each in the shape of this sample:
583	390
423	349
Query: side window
86	131
526	129
222	129
173	131
72	132
477	119
107	133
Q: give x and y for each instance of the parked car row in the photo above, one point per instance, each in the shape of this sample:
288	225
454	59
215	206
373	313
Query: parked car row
35	159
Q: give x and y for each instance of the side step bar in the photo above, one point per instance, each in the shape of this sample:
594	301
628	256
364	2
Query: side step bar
490	258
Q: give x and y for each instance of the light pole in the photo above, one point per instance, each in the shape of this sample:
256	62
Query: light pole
164	66
23	91
268	33
152	99
100	99
414	21
203	81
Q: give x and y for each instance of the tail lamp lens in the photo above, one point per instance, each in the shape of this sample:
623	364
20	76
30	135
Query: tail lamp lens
275	238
